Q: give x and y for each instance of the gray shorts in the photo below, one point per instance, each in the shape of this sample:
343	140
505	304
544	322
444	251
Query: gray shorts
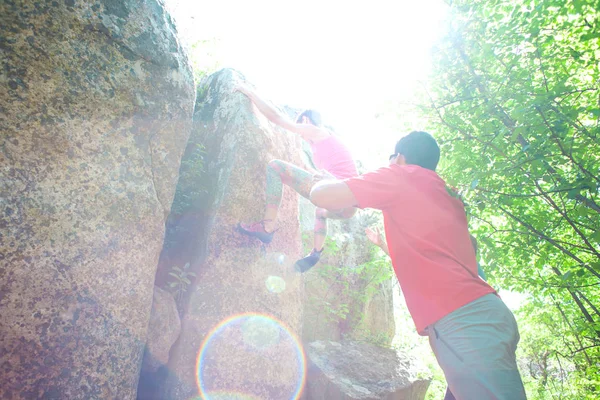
475	346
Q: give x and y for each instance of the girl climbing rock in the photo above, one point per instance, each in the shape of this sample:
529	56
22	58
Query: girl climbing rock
330	155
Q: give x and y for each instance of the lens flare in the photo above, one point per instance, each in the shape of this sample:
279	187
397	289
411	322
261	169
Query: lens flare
223	395
259	333
275	284
250	356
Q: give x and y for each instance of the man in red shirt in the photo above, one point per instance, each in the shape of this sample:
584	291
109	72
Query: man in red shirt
471	331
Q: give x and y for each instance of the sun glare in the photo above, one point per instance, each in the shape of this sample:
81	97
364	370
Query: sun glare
344	58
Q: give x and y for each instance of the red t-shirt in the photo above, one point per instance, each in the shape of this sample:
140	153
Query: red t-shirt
428	239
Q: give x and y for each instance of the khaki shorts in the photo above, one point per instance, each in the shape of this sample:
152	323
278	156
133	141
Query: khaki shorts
475	346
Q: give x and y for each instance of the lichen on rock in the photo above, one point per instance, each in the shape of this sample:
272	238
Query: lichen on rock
96	101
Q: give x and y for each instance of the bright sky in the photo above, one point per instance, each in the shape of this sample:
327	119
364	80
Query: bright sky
343	58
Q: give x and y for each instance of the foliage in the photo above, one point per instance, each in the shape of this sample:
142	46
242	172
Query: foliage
203	49
545	372
350	287
180	281
204	57
371	276
515	101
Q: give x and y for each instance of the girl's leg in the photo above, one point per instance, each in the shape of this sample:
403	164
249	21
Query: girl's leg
321	216
320	228
279	173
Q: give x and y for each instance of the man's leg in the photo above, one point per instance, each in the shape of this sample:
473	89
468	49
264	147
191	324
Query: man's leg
475	346
278	173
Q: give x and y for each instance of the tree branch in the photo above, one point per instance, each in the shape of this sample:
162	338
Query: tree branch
560	146
550	240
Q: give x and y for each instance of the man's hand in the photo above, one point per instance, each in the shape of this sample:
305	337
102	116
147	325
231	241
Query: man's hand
375	236
378	240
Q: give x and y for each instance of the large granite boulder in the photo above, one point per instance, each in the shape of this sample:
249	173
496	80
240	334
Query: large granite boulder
96	100
245	302
342	298
351	370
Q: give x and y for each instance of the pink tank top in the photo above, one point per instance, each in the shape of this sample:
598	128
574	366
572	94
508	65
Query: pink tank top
333	156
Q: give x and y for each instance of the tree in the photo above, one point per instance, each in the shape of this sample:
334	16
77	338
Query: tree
515	101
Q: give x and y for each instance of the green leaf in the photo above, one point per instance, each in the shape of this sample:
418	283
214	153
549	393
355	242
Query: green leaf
534	31
578	5
573	193
575	54
590	36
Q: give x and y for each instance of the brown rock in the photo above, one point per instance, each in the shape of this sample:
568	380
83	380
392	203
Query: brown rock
96	100
354	370
250	355
163	330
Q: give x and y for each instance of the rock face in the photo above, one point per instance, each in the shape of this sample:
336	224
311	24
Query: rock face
242	288
353	370
337	286
163	330
96	100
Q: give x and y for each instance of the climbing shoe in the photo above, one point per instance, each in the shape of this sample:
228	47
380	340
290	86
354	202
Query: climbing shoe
309	261
257	230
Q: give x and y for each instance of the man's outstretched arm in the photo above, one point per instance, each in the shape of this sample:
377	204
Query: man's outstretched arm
307	131
377	189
